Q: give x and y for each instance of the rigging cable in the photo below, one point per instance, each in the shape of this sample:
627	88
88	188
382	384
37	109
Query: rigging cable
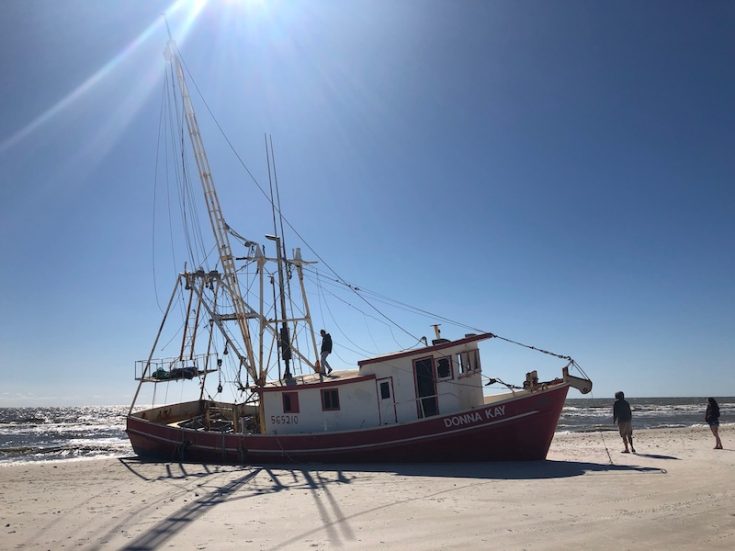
169	136
340	279
255	181
192	227
339	328
349	304
289	268
417	310
155	187
273	181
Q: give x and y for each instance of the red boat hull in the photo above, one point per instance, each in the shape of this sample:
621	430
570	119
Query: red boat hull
520	428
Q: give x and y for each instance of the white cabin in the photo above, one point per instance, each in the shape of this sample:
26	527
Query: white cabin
399	388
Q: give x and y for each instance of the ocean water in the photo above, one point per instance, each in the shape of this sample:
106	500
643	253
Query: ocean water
66	433
52	433
593	414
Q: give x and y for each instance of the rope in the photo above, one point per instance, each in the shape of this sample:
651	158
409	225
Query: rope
155	187
607	450
560	356
602	436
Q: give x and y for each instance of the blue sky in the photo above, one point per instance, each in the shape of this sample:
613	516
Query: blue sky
558	173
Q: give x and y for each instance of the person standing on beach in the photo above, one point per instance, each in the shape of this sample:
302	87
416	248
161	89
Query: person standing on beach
712	416
624	418
326	350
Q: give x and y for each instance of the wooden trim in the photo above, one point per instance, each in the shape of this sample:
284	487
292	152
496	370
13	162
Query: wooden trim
427	350
326	384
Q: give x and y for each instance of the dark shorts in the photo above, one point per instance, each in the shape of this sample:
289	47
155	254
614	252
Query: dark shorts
714	422
626	428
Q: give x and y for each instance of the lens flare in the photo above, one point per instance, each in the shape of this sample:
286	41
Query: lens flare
192	11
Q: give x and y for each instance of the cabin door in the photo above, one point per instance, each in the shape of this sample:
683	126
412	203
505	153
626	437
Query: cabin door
425	387
386	401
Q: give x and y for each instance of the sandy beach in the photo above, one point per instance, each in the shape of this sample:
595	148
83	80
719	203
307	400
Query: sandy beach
676	493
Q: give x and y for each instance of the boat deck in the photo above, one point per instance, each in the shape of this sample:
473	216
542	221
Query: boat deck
315	378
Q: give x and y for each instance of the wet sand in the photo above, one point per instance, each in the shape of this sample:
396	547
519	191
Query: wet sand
675	493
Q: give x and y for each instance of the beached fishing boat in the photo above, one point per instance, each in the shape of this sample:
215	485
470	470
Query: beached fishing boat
425	403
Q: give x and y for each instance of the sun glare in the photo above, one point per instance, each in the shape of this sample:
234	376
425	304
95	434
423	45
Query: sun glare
245	2
190	9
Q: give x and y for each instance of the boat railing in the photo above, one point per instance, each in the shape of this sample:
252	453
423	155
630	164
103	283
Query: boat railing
174	369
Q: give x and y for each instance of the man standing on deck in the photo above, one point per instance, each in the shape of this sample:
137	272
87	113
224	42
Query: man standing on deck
326	350
624	418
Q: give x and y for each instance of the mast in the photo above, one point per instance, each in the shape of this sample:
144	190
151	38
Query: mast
216	218
299	262
284	336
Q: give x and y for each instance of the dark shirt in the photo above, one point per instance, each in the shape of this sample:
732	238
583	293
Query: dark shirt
712	413
327	343
621	411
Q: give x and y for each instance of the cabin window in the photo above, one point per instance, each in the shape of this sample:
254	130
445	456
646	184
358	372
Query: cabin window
463	361
290	402
469	361
330	400
444	368
384	390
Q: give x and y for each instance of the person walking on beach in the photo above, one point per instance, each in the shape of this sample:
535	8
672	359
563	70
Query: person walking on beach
712	416
326	350
624	418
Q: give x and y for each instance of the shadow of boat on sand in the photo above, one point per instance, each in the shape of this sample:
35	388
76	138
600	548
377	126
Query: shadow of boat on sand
515	470
252	481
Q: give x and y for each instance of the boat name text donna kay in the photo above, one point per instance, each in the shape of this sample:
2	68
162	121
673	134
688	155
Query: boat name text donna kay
474	417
